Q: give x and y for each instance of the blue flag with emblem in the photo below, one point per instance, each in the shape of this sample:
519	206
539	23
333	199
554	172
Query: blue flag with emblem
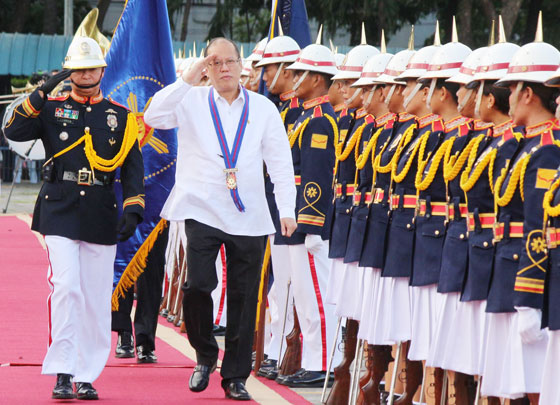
139	63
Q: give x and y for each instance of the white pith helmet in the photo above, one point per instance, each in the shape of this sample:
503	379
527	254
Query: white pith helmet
84	53
469	66
398	63
374	67
279	50
534	62
316	58
258	51
418	64
355	60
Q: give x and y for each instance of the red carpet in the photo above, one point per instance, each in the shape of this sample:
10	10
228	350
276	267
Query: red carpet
23	343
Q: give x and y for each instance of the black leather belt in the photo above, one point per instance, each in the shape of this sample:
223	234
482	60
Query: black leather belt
84	178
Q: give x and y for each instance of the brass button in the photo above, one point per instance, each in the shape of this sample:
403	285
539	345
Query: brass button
88	108
515	257
115	205
462	236
64	124
485	244
86	129
82	193
407	226
348	211
47	197
437	233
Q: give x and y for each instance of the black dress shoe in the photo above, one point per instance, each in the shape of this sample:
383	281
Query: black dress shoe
266	366
219	330
236	390
307	379
200	377
63	388
145	355
86	391
282	377
125	346
272	374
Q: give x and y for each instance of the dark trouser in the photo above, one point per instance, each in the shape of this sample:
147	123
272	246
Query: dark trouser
148	290
244	258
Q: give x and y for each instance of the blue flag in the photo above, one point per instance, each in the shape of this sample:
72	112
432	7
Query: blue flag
139	63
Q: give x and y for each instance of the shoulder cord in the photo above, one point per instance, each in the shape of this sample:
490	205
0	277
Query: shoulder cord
454	164
405	139
423	183
294	135
469	177
371	146
398	177
517	177
107	165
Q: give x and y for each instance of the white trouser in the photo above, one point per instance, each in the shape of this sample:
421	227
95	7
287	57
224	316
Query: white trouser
309	275
80	277
219	296
280	256
550	389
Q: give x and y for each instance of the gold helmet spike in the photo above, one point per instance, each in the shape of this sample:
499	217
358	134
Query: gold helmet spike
501	30
332	45
383	46
194	48
492	39
411	39
190	53
241	53
88	28
437	40
280	31
539	33
201	53
336	49
454	36
363	40
319	35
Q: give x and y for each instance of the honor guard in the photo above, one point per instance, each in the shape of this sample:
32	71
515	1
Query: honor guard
486	160
515	345
86	138
335	94
278	54
312	140
344	187
550	391
255	73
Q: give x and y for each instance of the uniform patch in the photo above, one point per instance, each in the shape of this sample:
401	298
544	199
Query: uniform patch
545	178
290	127
65	113
319	141
342	134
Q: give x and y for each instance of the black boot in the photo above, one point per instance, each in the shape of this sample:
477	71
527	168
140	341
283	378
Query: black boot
63	388
86	391
125	345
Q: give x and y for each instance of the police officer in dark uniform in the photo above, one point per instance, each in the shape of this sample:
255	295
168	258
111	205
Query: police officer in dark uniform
87	138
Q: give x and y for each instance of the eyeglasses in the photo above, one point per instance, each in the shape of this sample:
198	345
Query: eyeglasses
218	64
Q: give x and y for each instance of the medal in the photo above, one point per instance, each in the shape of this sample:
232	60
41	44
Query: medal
231	179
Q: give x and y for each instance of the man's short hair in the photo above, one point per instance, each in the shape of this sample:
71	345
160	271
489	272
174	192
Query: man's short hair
218	39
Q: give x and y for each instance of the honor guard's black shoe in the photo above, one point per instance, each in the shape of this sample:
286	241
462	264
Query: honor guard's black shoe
63	388
281	378
219	330
145	355
86	391
200	377
307	379
236	390
266	366
125	346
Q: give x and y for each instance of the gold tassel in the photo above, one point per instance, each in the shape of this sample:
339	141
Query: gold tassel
137	265
266	259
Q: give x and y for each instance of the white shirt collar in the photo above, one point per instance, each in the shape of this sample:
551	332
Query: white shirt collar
240	96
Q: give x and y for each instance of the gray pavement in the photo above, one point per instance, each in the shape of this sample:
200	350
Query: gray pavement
22	201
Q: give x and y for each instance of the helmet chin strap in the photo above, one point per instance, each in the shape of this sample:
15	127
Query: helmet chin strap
356	94
370	96
255	82
479	99
244	82
409	98
464	101
390	95
85	86
515	98
300	80
431	92
276	76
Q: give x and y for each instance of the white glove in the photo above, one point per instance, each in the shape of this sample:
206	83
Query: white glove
313	243
529	324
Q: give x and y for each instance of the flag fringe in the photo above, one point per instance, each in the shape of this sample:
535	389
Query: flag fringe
137	265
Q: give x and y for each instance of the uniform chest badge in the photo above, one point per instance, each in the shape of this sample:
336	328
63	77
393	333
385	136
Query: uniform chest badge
111	111
112	141
68	106
66	113
63	136
112	121
395	142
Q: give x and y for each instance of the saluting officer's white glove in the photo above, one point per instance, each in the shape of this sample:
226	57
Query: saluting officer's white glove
313	243
529	324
